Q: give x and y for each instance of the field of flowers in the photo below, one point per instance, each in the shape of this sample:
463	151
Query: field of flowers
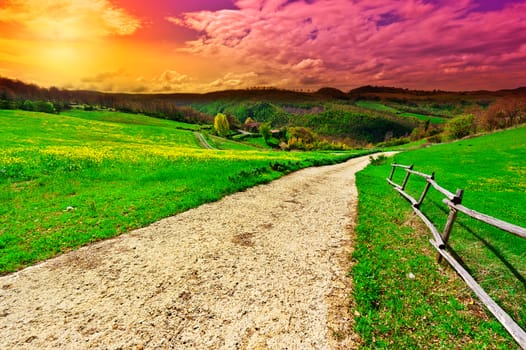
71	179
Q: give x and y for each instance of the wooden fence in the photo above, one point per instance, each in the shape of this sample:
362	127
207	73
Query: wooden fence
440	239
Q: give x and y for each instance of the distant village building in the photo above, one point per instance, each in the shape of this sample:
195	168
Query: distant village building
252	127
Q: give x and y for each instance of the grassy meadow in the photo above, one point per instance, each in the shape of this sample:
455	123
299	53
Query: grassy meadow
404	299
71	179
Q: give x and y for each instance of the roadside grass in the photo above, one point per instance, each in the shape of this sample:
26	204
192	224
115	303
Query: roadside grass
409	146
68	181
435	309
258	142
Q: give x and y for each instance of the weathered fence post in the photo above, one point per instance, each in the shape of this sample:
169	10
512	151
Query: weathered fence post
451	220
426	189
407	173
453	201
393	167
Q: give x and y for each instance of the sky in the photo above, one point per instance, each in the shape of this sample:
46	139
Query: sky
207	45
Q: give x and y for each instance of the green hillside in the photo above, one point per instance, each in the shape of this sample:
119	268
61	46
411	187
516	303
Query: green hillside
335	120
435	309
71	179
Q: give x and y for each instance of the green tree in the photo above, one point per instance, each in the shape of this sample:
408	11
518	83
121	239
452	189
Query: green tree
43	106
264	130
221	125
28	105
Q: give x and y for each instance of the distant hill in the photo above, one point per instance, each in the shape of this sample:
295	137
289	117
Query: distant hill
15	89
367	114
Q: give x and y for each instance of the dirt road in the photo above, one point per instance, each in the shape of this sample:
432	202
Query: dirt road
202	140
260	269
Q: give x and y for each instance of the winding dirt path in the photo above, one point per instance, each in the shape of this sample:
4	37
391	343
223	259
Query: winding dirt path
202	141
260	269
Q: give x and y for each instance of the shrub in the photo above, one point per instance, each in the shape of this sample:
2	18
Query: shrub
394	142
379	160
460	127
43	106
435	139
300	133
7	104
28	105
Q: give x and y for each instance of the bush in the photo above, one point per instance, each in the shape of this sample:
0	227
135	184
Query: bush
435	139
28	106
304	134
379	160
45	107
7	104
460	127
394	142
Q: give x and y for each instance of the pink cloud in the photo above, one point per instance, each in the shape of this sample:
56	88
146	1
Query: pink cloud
343	43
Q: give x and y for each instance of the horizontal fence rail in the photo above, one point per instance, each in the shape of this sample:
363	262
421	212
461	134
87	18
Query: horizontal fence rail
439	241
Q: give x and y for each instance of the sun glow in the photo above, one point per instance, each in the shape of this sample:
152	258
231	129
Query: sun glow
59	54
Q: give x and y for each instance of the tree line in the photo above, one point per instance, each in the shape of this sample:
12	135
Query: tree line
15	94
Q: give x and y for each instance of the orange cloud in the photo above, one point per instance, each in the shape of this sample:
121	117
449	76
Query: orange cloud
69	19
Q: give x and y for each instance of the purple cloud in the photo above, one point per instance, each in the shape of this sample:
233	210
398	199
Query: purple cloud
447	44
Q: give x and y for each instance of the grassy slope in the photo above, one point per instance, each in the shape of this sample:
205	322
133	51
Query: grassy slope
225	144
433	120
258	142
377	106
435	309
114	173
79	128
127	118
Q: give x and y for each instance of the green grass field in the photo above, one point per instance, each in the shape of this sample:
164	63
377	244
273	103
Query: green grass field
435	309
71	179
